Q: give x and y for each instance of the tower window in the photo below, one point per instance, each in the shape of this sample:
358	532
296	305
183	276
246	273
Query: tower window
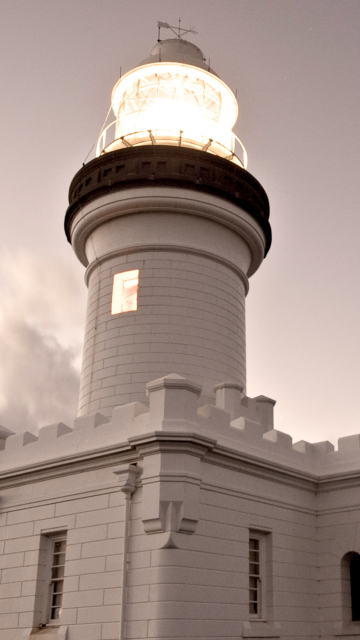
125	292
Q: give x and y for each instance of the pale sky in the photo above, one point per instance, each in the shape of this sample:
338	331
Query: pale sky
294	65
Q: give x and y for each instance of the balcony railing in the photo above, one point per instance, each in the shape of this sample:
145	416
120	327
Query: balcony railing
109	142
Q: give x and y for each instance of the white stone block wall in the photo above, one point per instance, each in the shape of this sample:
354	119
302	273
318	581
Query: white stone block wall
200	589
190	318
197	590
93	519
338	534
202	484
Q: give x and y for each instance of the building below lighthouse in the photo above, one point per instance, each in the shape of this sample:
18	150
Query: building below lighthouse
173	508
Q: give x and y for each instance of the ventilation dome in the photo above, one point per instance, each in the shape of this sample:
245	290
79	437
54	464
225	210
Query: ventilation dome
177	50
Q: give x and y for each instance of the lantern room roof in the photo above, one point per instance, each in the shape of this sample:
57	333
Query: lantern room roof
177	50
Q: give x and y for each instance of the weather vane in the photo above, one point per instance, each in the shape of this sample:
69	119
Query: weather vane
179	31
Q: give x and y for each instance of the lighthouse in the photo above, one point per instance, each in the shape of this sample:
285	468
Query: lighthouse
169	225
172	508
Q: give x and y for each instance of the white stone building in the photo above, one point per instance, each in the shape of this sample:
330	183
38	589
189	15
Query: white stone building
172	507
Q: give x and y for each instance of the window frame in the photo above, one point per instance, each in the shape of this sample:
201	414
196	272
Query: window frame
258	560
348	586
118	289
264	578
355	586
50	541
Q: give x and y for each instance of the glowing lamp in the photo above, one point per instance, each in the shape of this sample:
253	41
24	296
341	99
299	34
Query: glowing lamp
176	101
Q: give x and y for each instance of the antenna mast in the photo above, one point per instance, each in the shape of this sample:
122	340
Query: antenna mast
179	31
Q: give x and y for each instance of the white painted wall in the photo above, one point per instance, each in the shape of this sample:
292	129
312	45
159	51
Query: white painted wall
202	483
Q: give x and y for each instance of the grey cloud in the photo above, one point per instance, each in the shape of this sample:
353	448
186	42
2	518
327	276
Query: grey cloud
39	384
40	342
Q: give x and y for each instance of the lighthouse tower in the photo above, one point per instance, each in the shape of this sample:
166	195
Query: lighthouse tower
170	225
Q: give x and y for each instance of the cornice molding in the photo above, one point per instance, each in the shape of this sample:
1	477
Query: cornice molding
195	444
262	468
165	201
72	464
257	497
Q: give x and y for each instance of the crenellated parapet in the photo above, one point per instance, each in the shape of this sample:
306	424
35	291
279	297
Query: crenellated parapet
237	429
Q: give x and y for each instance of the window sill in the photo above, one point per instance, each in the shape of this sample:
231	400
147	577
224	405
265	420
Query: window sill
260	629
50	632
347	629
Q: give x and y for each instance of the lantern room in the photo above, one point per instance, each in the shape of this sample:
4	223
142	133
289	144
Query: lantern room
174	98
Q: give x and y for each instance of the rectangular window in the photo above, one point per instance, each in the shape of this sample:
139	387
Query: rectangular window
125	292
50	579
260	575
56	576
255	567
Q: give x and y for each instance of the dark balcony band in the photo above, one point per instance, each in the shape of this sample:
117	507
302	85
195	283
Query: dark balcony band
169	166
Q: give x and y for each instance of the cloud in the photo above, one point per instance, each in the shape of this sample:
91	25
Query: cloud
42	304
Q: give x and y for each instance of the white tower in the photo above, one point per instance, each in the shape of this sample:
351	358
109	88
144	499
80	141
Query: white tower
170	225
